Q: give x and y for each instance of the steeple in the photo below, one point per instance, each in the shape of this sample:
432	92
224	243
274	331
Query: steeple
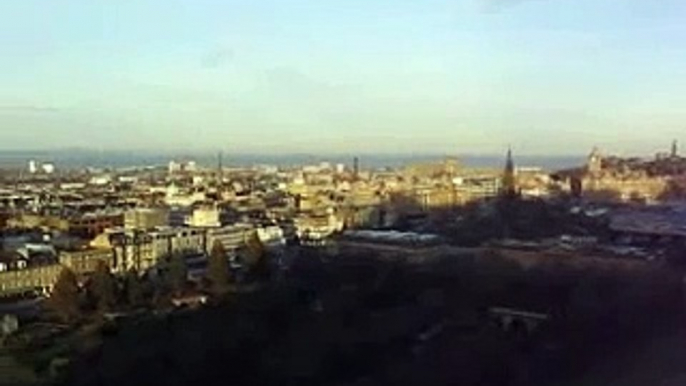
509	188
509	164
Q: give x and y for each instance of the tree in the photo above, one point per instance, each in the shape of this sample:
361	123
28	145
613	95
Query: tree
103	288
177	272
255	252
218	269
64	299
262	267
133	289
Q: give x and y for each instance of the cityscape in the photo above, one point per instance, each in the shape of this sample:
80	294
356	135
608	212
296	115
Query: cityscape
101	248
342	193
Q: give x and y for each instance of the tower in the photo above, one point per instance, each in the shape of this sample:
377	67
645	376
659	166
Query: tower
675	149
595	162
509	183
356	167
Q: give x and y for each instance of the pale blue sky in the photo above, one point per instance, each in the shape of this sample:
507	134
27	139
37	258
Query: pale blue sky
341	76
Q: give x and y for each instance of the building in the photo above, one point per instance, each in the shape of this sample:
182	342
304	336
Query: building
533	182
436	197
315	229
370	216
205	217
445	169
85	261
146	218
90	225
478	187
100	180
594	165
271	236
178	216
38	251
177	167
621	179
177	197
173	167
33	221
142	250
614	179
231	237
32	279
48	168
120	249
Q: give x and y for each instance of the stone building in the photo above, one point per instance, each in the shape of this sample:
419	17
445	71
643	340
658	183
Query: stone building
620	180
90	225
40	279
146	218
143	250
231	237
85	261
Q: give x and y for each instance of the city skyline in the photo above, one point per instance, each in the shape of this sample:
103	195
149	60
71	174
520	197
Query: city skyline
547	77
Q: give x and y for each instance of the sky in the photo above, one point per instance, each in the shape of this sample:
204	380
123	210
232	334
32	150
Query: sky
546	77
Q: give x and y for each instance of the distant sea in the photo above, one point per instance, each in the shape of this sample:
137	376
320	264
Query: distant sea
76	159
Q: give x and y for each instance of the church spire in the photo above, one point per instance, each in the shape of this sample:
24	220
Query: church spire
509	164
509	188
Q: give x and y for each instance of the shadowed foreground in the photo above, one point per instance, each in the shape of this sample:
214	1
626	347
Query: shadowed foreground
363	322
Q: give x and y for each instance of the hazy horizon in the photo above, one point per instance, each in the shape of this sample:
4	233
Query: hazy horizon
549	77
70	159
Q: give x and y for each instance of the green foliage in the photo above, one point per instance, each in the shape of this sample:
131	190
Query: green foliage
64	299
218	269
103	289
